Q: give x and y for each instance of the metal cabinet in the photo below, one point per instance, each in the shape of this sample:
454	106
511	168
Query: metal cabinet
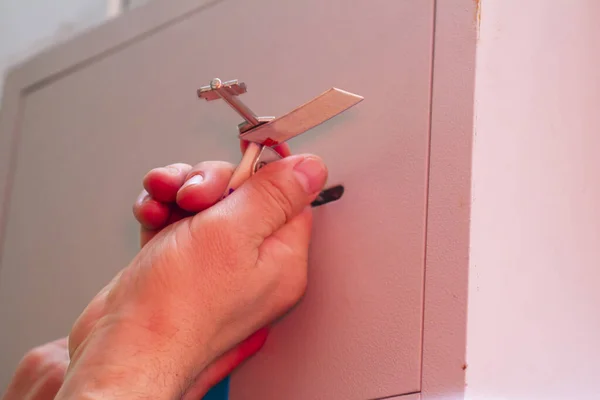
83	122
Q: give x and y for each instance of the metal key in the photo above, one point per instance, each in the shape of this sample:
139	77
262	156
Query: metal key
265	133
229	92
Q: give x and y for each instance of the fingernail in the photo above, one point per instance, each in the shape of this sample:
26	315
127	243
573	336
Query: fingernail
194	180
311	173
143	196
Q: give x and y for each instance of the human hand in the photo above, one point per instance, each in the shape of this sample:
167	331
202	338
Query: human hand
165	200
40	373
198	287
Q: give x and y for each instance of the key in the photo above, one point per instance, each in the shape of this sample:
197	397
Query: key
229	92
264	133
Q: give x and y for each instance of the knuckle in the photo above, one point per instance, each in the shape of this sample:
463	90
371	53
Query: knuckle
34	358
275	194
56	373
146	178
211	166
201	166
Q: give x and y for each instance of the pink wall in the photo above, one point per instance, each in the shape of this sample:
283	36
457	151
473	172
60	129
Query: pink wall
534	289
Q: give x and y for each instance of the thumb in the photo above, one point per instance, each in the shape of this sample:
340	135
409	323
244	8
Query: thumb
275	195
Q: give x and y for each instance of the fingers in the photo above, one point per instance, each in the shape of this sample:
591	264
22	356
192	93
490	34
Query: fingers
193	189
163	183
146	235
204	185
274	195
160	187
176	214
40	373
151	213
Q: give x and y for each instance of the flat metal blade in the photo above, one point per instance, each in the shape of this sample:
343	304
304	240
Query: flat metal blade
318	110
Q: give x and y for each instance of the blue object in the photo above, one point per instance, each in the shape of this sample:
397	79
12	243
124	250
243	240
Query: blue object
219	392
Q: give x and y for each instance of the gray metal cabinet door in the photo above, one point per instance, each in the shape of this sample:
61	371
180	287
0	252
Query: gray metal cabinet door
87	137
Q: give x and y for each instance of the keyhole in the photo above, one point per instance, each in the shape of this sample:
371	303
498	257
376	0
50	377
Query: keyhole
328	195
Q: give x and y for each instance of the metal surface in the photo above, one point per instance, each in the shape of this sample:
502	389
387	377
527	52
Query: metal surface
270	131
372	349
305	117
245	126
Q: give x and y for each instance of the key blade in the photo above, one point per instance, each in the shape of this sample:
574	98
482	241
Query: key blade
318	110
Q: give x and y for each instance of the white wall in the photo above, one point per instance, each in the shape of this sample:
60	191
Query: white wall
28	26
534	297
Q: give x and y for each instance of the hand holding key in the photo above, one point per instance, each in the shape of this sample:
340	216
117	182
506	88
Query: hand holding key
198	288
210	273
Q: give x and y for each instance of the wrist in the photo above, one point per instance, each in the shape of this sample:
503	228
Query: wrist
110	382
107	365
